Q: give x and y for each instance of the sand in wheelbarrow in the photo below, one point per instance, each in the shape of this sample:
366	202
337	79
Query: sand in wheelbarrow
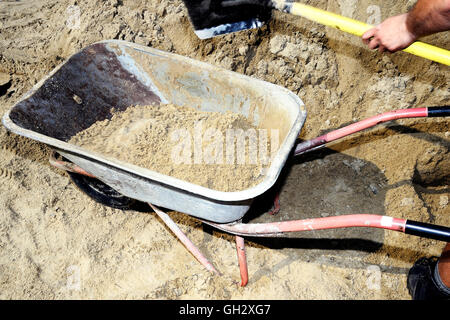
195	146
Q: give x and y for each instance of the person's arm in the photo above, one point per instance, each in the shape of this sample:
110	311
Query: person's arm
398	32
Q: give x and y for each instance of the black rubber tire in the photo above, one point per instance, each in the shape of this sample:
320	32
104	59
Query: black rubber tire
102	193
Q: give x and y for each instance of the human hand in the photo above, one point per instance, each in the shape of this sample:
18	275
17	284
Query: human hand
391	35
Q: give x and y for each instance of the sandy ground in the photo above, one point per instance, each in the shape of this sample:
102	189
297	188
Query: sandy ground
57	243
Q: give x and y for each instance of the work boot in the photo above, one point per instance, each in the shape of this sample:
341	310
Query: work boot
424	282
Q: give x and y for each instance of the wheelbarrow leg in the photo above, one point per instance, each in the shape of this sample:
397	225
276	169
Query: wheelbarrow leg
242	259
276	205
185	240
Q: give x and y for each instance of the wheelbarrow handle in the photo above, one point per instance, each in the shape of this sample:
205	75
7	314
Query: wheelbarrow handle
276	229
439	111
427	230
316	143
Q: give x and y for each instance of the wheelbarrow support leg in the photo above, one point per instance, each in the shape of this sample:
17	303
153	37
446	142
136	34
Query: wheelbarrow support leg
242	259
185	240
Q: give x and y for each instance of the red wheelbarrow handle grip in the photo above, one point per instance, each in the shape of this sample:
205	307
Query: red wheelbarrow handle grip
318	142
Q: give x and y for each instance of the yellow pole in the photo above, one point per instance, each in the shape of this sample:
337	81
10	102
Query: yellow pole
358	28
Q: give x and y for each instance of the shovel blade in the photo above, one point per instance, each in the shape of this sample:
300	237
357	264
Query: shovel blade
211	18
228	28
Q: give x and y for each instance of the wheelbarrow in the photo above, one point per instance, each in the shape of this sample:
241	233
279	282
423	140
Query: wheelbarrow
107	74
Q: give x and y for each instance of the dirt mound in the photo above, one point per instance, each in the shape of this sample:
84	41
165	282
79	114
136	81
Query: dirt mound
58	243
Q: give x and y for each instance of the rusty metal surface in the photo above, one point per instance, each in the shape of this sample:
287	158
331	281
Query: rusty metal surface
82	92
119	74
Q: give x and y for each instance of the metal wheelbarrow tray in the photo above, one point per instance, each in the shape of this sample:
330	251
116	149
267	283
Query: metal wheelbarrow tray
120	74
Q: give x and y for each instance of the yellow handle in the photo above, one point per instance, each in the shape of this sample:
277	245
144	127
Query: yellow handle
358	28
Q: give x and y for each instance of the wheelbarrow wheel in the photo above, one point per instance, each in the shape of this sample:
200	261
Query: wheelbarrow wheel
102	193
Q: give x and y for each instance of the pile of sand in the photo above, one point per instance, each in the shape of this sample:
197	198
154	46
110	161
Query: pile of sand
195	146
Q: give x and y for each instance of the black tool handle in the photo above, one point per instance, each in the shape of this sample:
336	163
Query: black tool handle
427	230
443	111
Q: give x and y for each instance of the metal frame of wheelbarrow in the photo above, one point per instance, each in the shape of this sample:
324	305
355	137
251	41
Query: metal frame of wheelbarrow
277	229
